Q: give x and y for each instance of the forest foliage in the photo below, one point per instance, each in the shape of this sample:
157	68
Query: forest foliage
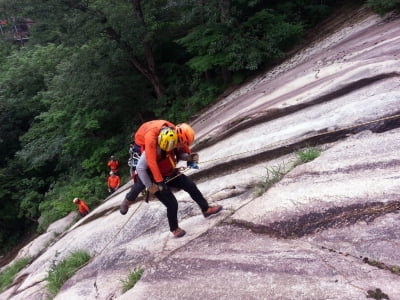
94	70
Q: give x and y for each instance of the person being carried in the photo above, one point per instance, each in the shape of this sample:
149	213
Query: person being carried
113	164
167	156
113	182
82	206
186	137
146	136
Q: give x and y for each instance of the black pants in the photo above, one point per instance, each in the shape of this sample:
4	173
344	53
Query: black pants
185	183
168	199
111	190
136	189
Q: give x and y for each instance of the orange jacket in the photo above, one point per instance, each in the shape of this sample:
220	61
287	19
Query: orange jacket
146	138
114	181
113	164
82	207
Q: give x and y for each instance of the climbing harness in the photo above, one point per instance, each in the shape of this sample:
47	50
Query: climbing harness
181	171
133	161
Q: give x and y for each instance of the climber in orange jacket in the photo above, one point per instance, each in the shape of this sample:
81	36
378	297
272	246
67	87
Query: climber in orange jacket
113	182
82	206
186	136
167	155
113	164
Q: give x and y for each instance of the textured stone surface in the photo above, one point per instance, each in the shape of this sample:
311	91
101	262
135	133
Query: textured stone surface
256	266
326	230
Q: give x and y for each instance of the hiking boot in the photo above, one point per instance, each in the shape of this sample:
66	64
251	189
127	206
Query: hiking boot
212	210
124	207
178	232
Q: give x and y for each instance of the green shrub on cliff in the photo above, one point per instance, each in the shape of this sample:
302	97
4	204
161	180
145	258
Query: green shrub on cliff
383	6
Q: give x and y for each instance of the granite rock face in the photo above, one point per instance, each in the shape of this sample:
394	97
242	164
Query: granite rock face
328	229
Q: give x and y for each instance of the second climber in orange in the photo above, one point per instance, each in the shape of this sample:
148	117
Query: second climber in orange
113	182
82	206
113	164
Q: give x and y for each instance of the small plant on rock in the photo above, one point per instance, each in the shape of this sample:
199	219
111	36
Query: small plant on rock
395	269
307	154
274	174
7	276
61	272
133	278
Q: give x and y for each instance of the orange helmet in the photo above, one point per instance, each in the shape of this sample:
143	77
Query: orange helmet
185	133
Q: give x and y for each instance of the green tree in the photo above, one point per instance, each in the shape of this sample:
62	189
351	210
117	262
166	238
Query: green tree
257	40
383	6
99	18
24	74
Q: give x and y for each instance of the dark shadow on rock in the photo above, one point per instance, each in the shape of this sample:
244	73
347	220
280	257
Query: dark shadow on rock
318	138
259	115
335	217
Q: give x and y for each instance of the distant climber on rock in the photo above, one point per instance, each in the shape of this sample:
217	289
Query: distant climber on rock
169	149
82	206
113	182
113	164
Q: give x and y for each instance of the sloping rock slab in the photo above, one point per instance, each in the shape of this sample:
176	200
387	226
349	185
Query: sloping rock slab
235	263
355	180
326	231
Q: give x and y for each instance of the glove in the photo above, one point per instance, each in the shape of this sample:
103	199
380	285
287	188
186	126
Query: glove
192	165
158	187
162	186
153	188
193	158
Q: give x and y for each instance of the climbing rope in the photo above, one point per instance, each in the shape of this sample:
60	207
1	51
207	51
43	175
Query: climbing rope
123	225
181	171
96	254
